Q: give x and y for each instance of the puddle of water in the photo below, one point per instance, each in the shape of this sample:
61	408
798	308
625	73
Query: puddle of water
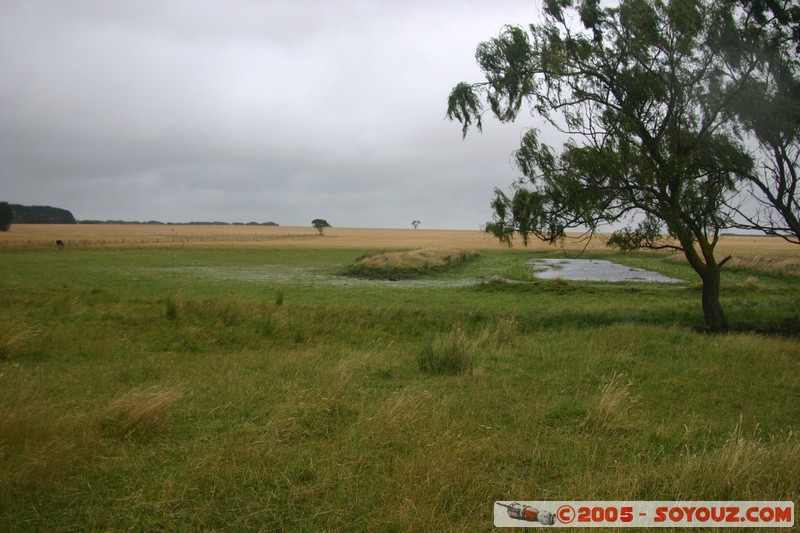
595	270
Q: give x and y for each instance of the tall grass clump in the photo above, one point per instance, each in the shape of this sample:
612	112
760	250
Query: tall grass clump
268	326
744	467
499	333
614	409
173	305
751	283
138	415
448	354
13	342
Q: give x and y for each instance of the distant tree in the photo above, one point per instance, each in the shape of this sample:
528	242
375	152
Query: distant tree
41	214
320	224
415	223
6	215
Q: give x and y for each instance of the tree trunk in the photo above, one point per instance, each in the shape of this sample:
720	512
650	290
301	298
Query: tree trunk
712	309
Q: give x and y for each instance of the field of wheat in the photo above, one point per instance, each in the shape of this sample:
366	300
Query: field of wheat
113	235
137	235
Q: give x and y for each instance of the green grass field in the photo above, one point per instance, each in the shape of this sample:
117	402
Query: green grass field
260	389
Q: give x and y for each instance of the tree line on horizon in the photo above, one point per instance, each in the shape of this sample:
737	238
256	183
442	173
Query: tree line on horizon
45	214
33	214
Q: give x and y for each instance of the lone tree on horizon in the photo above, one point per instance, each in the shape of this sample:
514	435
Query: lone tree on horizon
415	223
647	93
320	224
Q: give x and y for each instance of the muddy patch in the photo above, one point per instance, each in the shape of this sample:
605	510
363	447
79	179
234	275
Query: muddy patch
594	270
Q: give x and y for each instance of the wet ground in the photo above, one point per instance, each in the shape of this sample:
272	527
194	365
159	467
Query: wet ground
319	275
567	269
594	270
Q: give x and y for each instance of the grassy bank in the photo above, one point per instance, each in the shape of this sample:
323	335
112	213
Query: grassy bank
408	264
211	388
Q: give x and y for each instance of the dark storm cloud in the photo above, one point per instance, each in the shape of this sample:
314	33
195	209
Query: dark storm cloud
286	111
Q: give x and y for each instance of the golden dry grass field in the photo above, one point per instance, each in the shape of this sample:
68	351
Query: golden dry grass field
119	235
113	235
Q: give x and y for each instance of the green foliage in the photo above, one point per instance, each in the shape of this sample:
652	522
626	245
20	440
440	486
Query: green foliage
40	214
465	106
649	124
646	235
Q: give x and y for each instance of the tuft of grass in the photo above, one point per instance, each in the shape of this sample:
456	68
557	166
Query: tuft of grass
268	326
751	283
499	333
299	336
448	354
173	305
745	466
138	415
614	409
15	341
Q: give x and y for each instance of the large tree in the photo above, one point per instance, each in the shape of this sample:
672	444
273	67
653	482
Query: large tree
645	92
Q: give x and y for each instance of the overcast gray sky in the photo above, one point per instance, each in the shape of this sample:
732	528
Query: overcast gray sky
250	110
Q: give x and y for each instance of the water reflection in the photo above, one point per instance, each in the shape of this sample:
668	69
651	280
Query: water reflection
594	270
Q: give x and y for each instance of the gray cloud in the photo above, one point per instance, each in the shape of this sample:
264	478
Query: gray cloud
182	110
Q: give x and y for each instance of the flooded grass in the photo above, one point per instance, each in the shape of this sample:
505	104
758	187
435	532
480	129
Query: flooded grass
418	270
